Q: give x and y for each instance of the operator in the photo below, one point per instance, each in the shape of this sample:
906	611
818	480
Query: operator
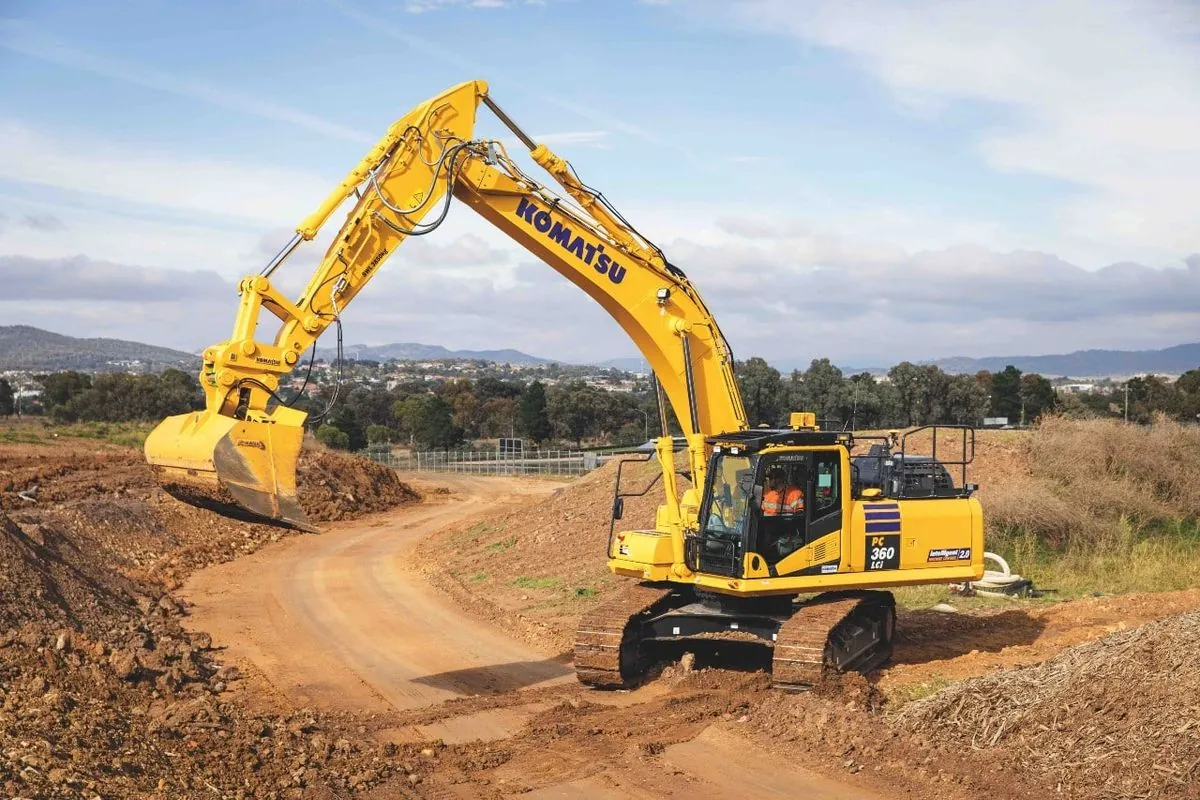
780	497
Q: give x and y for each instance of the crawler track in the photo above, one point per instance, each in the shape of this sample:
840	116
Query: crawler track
840	632
609	652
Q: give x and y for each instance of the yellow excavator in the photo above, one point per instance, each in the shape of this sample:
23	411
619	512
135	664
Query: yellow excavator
783	536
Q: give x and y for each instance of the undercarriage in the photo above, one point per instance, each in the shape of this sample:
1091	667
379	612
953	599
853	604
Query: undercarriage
617	643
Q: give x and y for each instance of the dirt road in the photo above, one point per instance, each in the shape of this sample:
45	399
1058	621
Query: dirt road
338	620
341	621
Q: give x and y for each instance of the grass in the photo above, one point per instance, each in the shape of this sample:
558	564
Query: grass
42	431
1103	507
473	533
1093	506
1128	557
502	545
901	695
478	577
526	582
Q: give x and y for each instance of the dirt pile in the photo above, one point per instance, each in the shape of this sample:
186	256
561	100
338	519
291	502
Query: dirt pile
46	577
83	719
63	473
1117	717
336	486
102	692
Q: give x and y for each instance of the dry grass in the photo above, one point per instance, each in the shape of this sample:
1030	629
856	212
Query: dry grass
1114	718
1102	506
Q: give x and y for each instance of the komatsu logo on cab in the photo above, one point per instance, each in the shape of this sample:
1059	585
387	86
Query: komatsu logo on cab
590	254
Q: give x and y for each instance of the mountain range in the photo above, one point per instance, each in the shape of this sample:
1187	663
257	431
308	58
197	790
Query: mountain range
413	351
23	347
1087	363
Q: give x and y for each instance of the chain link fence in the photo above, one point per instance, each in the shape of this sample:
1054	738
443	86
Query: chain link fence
560	463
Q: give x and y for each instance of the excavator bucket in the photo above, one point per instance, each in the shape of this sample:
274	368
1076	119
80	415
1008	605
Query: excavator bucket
241	468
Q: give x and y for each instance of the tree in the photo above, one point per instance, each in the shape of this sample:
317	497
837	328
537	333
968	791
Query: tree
573	410
7	404
821	389
907	379
346	420
435	425
118	397
1189	382
497	417
371	406
379	434
966	400
866	398
60	387
934	387
763	394
1187	391
1006	393
1149	395
333	437
1037	396
532	415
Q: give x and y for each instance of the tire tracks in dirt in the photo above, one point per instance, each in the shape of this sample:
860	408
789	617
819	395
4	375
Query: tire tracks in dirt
342	621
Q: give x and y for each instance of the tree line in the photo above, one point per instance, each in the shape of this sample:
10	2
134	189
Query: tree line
454	413
912	395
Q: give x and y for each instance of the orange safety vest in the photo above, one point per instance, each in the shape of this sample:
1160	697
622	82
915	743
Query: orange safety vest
775	503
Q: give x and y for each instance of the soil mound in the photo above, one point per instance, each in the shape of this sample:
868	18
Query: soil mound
102	691
534	570
335	486
1113	718
332	486
45	577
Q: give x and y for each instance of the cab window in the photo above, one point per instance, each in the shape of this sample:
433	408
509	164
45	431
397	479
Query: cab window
827	485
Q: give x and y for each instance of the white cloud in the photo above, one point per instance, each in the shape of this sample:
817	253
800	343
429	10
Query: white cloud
220	189
1102	94
787	296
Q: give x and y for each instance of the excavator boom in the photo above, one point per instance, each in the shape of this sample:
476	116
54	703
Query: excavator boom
241	451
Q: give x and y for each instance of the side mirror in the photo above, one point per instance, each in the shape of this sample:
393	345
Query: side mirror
618	507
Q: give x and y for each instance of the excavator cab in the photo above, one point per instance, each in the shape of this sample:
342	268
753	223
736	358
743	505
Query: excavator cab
769	494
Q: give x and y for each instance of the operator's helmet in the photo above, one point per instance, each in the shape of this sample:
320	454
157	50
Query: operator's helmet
776	473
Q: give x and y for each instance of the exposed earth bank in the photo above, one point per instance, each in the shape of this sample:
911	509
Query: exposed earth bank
155	650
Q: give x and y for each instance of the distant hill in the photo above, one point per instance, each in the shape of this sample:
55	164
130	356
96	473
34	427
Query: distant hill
28	348
411	351
1087	363
626	364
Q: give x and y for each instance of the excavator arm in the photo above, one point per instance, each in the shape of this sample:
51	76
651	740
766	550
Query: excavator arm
243	447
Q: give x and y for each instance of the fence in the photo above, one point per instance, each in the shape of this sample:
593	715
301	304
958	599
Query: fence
536	462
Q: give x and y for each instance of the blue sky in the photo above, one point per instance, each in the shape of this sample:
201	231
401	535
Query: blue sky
864	180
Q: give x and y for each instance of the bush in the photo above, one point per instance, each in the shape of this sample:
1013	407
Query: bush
333	437
379	434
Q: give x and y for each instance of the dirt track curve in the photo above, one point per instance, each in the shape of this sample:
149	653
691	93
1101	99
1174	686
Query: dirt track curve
340	621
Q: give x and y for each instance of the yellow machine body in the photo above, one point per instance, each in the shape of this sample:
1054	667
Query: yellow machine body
883	543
